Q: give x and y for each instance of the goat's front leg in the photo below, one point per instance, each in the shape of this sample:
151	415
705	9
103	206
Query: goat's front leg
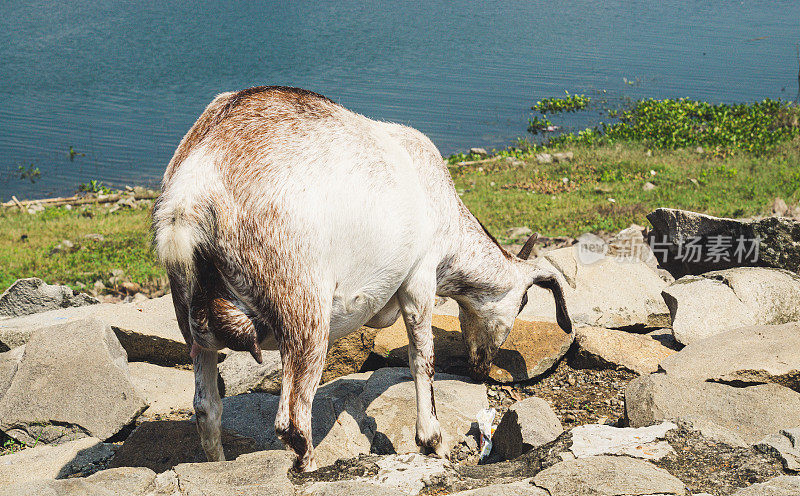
208	405
417	298
303	359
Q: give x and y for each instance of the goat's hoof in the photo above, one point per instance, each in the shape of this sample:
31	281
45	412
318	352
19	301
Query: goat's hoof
308	465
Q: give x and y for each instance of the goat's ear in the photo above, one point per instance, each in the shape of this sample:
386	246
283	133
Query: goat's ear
552	283
527	248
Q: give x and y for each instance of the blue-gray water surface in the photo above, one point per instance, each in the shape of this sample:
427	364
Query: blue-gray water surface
121	82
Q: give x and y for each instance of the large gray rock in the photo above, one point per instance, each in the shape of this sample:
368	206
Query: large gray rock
72	382
126	481
642	442
786	446
597	347
32	295
340	428
771	295
262	473
778	245
747	355
390	401
148	330
784	485
606	293
736	416
240	373
701	307
53	462
526	424
164	389
607	475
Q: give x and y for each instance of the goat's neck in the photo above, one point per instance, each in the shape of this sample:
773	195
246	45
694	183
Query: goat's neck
476	265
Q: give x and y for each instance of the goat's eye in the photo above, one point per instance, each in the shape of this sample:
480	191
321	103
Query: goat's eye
524	301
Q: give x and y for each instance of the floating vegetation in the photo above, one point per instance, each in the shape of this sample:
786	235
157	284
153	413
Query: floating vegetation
31	173
538	125
73	154
721	128
568	103
93	186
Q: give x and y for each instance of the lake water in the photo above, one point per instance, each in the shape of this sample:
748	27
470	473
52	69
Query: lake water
121	82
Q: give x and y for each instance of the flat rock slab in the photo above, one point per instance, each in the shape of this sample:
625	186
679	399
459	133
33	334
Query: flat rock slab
32	295
525	425
348	488
390	402
148	330
598	347
607	475
784	485
643	442
606	293
786	446
263	473
115	482
339	427
531	349
391	474
163	444
736	416
521	488
72	382
748	355
53	462
164	389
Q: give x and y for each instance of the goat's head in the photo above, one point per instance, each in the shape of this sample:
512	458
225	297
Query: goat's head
487	317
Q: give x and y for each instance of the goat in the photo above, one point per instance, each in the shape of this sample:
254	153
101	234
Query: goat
287	221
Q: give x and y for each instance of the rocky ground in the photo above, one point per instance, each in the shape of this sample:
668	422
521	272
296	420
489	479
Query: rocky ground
666	386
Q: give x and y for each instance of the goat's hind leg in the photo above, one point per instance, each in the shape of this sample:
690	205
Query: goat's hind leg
303	360
208	405
416	297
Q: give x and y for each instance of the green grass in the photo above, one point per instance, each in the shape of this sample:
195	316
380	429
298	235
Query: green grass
27	242
531	194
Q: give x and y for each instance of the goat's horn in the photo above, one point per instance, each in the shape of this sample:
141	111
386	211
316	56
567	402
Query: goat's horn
527	248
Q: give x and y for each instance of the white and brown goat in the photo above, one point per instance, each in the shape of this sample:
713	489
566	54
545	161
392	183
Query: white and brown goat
287	221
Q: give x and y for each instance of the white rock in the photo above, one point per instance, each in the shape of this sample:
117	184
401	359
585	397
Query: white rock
642	442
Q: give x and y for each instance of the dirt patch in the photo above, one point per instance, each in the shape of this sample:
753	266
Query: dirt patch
577	396
716	468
